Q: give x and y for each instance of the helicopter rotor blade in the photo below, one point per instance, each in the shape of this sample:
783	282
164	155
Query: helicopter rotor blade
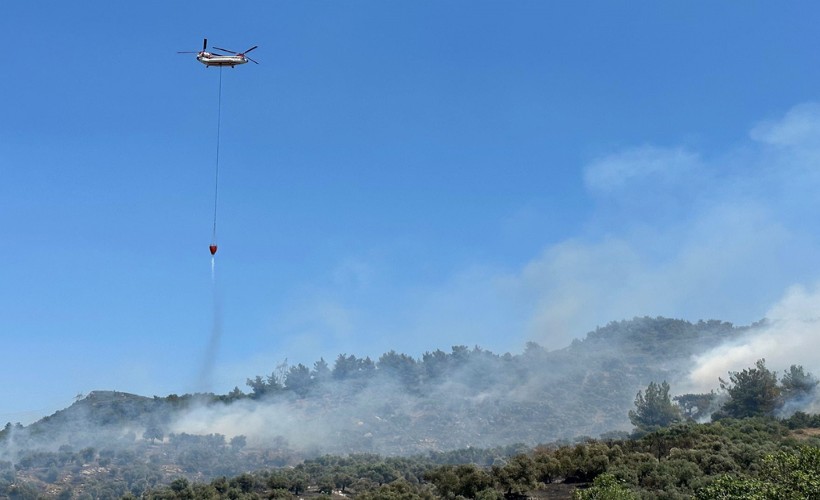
250	49
204	44
251	60
187	52
226	50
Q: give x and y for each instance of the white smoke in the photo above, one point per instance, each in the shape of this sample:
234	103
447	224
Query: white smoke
789	337
260	422
678	233
671	231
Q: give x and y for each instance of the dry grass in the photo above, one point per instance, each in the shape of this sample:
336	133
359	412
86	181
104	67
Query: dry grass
806	433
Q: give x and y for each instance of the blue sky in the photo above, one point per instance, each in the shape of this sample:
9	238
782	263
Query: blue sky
393	175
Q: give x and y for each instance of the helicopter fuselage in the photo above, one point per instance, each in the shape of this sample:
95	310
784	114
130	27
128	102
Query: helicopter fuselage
209	59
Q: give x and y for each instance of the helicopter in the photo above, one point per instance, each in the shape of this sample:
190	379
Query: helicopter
210	59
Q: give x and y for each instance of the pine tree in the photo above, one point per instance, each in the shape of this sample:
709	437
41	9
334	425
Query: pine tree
654	409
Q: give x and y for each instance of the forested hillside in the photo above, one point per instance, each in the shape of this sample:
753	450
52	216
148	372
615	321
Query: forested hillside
397	405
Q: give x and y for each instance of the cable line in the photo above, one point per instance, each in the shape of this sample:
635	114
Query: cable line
213	246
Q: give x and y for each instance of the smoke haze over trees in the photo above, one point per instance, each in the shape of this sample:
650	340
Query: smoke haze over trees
397	405
444	400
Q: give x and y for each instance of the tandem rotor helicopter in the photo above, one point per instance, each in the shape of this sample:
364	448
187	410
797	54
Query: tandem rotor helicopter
211	59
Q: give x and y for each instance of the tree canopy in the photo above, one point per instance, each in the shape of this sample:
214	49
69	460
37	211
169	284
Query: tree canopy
752	392
654	408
